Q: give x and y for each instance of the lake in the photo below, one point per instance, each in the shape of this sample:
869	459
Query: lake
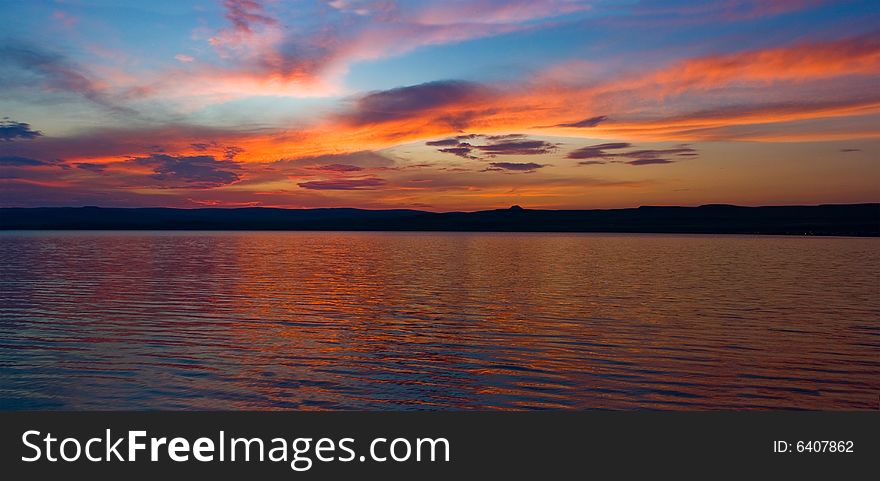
379	321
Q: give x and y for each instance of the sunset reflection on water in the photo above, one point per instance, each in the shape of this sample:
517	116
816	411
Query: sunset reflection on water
333	320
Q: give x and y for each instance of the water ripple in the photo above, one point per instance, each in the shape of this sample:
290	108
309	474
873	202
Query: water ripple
264	320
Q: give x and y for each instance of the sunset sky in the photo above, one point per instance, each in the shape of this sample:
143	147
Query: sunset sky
439	105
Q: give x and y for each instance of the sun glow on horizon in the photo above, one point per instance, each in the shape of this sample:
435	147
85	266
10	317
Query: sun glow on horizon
439	105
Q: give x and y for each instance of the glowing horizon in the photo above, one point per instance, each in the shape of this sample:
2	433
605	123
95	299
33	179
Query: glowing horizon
439	105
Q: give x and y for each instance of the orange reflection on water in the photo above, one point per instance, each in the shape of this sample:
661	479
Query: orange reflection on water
219	320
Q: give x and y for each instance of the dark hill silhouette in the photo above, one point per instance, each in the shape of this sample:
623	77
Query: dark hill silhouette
850	219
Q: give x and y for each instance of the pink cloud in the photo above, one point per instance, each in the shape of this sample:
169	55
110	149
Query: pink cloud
245	16
264	58
65	19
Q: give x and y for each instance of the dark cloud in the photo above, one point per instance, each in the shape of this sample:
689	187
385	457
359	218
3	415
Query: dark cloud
649	161
15	161
585	123
653	154
339	168
597	151
496	138
114	142
455	140
91	167
443	142
191	172
11	130
850	150
507	144
405	102
53	72
463	150
230	152
201	146
630	157
657	156
515	166
343	184
523	147
336	166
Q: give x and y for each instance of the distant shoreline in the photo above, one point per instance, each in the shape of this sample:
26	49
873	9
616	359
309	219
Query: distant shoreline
860	220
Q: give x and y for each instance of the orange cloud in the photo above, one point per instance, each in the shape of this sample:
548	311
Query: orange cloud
804	62
621	101
635	105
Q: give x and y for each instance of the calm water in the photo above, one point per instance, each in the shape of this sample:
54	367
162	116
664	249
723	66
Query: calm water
328	320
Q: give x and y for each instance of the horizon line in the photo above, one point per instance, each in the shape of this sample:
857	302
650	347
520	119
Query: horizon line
423	210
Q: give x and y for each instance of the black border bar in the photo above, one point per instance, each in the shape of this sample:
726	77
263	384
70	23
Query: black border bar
513	445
